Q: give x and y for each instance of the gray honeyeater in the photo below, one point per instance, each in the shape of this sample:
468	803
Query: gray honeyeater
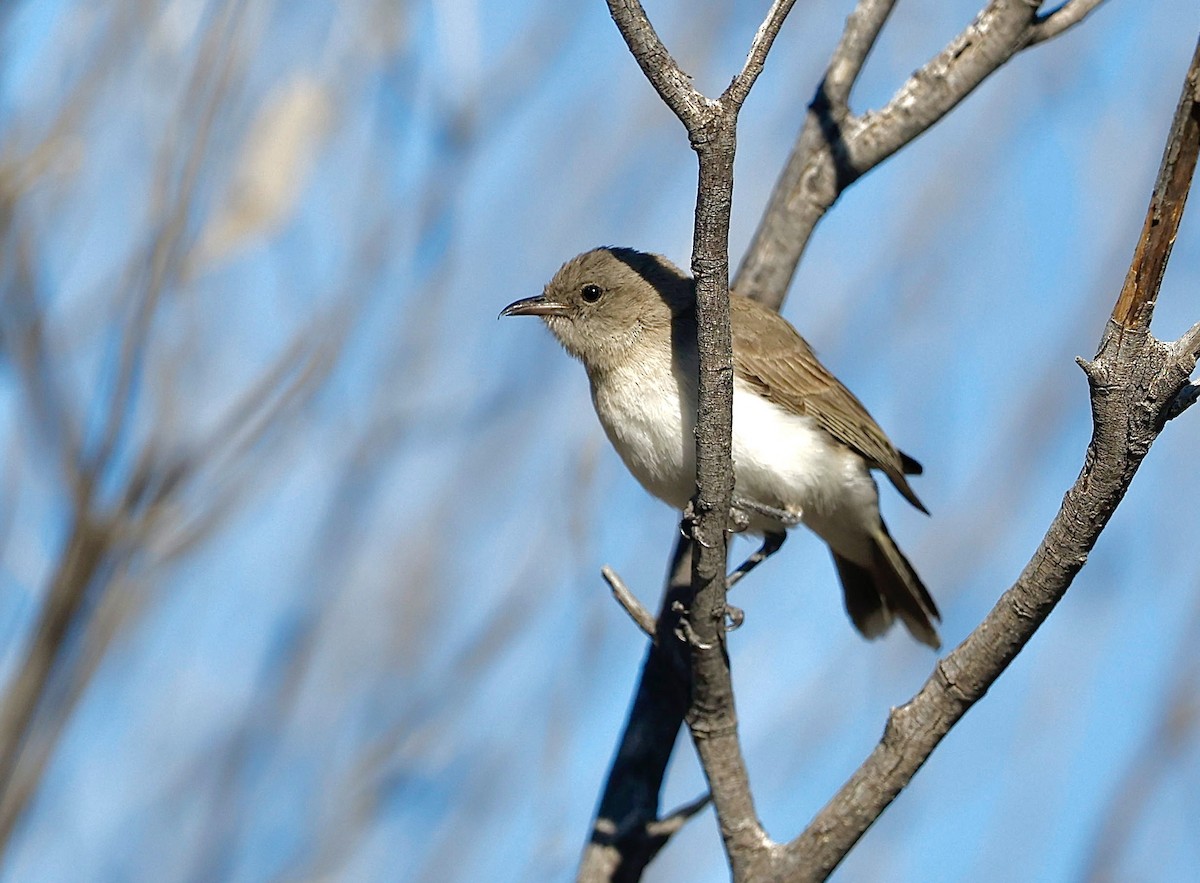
803	445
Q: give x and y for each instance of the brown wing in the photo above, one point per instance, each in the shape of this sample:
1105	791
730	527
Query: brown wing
765	355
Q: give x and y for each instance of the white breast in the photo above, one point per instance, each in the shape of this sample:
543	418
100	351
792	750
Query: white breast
781	459
786	460
649	415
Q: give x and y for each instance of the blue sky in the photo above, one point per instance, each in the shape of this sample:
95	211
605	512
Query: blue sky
392	654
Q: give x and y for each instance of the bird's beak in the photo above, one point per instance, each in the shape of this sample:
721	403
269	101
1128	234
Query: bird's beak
534	306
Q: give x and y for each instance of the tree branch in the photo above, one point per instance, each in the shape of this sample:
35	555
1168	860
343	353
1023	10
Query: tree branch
711	127
763	40
1135	306
858	38
668	79
836	147
623	842
1134	379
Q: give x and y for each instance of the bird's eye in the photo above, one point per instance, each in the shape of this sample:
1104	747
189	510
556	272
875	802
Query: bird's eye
591	293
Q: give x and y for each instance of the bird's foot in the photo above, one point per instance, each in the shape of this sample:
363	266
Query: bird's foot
734	617
684	630
739	521
689	525
740	511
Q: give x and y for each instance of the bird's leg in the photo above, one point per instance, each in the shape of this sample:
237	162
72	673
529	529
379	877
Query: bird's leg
739	521
772	542
786	517
688	523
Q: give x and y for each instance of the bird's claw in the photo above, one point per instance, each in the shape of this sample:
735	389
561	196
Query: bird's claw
689	525
734	617
687	634
738	520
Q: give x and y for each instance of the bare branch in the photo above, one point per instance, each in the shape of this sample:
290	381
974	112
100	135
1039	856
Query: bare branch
668	79
673	822
83	559
1186	351
737	91
1188	346
1135	306
835	147
618	849
711	127
636	610
1134	378
164	262
24	335
1053	23
858	39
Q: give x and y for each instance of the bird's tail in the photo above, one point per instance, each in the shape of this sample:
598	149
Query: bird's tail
887	588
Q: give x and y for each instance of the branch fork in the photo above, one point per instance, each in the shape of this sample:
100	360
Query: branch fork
835	148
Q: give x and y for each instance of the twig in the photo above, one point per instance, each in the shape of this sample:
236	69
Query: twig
619	848
674	821
1186	351
85	556
668	79
737	91
1135	306
637	611
1053	23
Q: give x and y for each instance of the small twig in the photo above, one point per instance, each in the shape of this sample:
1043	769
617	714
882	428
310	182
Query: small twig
673	822
763	39
629	803
1135	306
1053	23
1187	348
1186	351
642	617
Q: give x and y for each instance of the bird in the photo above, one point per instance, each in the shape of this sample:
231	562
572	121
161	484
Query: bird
804	446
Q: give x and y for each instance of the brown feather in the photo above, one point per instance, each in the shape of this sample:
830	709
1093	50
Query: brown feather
888	588
765	356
